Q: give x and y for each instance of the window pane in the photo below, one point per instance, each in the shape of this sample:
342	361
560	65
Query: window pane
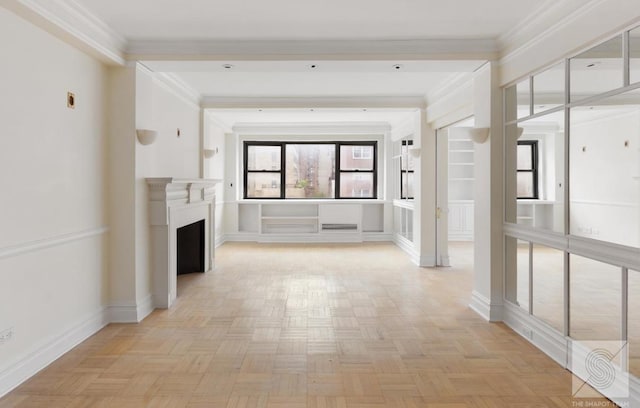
525	184
310	171
523	90
525	156
406	158
605	170
356	185
596	298
597	70
263	157
548	286
634	55
356	157
407	185
263	185
633	325
548	88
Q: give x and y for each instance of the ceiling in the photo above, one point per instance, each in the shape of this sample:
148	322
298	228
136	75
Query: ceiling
314	20
393	26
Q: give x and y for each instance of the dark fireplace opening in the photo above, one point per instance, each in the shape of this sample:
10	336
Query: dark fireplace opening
190	248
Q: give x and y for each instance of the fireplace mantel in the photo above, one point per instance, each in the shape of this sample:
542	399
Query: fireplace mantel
174	203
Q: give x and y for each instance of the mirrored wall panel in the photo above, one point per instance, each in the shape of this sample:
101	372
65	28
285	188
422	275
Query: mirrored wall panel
595	300
634	55
605	170
596	70
535	163
523	98
548	285
510	104
633	325
523	257
548	88
511	269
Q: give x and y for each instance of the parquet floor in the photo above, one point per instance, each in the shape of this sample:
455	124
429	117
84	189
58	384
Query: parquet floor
317	326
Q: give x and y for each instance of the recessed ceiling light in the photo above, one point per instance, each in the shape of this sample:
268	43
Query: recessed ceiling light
397	66
227	66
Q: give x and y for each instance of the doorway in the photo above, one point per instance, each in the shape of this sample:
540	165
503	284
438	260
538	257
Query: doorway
455	193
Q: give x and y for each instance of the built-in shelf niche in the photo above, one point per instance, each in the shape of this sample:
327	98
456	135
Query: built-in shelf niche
461	166
310	218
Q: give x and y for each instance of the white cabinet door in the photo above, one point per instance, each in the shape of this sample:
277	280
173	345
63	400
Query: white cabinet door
460	221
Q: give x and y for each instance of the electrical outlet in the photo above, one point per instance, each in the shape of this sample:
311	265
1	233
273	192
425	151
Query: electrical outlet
6	335
528	332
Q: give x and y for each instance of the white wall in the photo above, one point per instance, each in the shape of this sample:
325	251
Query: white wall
53	212
214	168
159	107
121	188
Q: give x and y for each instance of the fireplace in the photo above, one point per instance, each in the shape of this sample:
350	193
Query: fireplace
190	248
174	205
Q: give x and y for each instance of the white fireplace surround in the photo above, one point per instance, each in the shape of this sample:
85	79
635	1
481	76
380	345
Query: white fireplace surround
175	203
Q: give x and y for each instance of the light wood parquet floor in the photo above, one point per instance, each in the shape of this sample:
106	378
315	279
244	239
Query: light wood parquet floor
317	326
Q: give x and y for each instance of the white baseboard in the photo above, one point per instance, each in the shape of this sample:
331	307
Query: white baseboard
483	306
145	307
51	350
407	246
123	313
445	260
544	337
460	237
131	312
560	348
426	261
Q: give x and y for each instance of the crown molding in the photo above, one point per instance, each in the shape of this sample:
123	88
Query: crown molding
548	14
390	102
173	84
72	23
451	102
454	82
178	87
226	127
444	49
589	23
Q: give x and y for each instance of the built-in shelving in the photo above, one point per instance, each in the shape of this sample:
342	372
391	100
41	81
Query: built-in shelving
461	166
535	213
309	219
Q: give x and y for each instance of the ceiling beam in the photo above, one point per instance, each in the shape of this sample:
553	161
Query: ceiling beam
363	102
286	50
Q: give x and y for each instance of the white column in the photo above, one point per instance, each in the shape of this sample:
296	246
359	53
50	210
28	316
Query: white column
424	215
487	296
